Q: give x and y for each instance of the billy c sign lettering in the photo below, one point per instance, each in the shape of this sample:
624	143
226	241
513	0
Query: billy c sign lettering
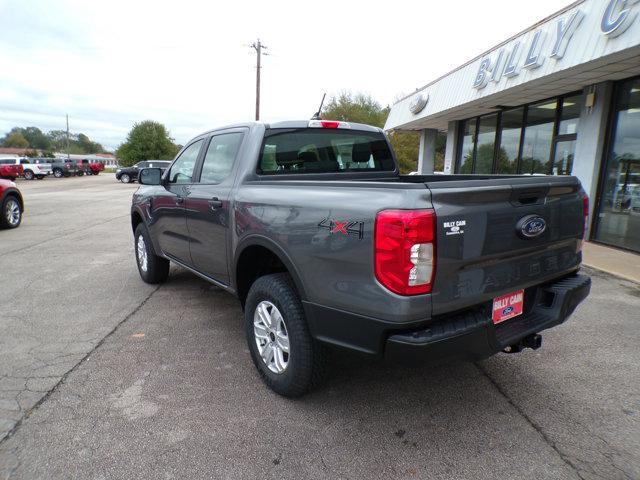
531	50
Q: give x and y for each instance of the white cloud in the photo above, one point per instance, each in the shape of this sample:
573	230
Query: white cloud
187	64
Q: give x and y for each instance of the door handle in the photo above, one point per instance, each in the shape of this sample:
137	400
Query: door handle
215	203
179	200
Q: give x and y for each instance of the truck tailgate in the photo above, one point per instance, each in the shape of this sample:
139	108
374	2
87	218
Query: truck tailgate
482	250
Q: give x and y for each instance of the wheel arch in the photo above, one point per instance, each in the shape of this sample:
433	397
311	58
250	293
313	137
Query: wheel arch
257	256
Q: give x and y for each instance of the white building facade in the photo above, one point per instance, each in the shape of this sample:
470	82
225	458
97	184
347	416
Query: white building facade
560	98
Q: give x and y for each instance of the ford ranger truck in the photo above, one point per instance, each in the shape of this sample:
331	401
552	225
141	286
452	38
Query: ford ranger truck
325	244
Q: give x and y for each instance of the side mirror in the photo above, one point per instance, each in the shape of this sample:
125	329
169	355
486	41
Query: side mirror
150	176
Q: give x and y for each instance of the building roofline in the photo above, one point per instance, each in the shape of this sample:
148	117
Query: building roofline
486	52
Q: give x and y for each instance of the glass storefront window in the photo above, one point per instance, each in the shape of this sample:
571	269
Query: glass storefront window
563	159
486	143
538	135
570	114
510	140
468	140
619	215
533	139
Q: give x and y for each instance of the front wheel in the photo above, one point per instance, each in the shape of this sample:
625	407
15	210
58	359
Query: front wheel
28	175
80	173
11	213
125	178
289	361
58	173
152	268
40	177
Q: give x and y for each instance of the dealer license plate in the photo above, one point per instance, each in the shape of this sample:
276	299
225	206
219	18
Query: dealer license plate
508	306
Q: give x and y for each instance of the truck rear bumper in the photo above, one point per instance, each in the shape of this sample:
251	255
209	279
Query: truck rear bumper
472	335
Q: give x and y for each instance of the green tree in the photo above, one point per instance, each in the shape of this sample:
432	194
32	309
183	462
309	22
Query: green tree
361	108
15	139
146	140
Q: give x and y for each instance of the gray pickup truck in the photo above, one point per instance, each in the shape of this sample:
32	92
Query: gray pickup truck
311	226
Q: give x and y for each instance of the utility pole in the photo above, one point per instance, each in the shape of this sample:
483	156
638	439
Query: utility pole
258	47
68	137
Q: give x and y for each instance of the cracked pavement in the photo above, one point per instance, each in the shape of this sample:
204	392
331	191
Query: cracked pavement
105	377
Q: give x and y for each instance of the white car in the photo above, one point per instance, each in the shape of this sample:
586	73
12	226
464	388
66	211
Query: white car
34	170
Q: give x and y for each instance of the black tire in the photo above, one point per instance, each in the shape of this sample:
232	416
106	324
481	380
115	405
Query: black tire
40	177
157	270
80	173
58	173
28	175
125	178
10	202
306	360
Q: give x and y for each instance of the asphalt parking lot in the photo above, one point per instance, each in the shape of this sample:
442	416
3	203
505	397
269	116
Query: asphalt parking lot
103	376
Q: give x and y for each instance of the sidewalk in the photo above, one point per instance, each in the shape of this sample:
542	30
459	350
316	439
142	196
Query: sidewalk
616	262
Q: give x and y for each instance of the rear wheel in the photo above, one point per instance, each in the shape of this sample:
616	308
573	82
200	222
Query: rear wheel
58	173
289	361
152	268
11	212
28	175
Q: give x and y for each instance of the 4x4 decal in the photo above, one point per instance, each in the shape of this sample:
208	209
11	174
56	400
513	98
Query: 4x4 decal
345	227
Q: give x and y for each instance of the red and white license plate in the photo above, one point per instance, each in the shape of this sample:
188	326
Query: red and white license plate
508	306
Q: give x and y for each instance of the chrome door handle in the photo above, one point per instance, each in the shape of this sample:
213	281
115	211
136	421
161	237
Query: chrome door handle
179	200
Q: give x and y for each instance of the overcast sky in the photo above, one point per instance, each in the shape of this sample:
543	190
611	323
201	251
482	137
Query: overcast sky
188	65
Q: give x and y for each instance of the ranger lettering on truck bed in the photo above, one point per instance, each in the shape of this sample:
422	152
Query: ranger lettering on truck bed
325	244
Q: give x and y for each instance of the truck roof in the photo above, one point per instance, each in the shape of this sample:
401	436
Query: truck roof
292	124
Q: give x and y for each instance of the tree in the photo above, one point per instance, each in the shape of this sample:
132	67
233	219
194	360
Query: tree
361	108
15	139
147	140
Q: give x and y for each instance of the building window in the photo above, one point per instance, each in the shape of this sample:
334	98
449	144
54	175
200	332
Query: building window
486	143
538	135
536	138
510	134
619	202
467	145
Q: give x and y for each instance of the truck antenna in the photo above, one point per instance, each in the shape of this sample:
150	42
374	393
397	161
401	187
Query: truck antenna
316	116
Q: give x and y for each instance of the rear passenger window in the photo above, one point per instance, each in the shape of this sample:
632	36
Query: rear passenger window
220	156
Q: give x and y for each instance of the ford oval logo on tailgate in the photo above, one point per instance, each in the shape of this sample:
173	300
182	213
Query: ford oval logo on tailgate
531	226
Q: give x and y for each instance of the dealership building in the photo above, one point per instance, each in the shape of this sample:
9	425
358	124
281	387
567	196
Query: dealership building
560	98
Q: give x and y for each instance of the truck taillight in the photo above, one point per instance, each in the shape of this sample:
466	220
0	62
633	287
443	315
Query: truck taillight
404	246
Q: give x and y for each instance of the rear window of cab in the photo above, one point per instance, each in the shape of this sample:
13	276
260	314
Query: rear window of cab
310	150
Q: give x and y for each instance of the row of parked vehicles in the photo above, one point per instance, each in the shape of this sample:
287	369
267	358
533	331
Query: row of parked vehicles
39	168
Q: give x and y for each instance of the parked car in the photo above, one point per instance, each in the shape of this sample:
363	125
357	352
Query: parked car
96	167
311	226
130	174
63	167
11	205
9	170
34	169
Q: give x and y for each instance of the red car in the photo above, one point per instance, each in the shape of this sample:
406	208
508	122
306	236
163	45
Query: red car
11	204
96	167
9	170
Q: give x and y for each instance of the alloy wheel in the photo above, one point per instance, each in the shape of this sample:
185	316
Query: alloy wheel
142	253
12	212
271	336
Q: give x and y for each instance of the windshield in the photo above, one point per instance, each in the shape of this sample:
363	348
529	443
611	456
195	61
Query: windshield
311	150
